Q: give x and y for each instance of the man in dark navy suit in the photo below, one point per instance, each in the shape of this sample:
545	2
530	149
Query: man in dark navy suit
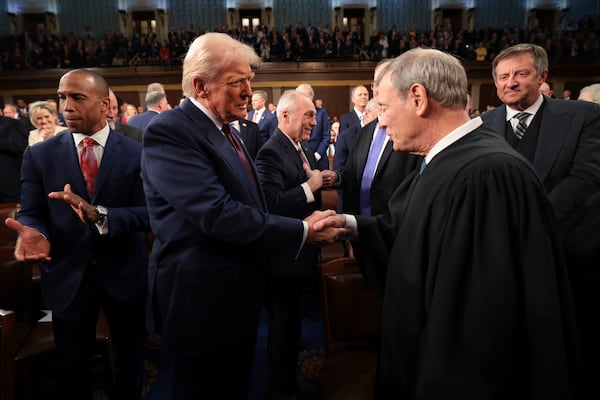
292	184
267	122
156	102
209	264
83	215
321	133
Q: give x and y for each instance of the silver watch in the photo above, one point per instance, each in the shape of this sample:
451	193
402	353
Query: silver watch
102	214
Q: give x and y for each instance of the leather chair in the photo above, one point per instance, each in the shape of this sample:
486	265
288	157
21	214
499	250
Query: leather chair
32	341
351	327
7	351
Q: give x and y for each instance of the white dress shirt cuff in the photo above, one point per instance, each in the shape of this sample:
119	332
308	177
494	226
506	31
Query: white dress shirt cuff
310	197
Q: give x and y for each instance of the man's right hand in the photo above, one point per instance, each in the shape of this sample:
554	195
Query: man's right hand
31	244
315	179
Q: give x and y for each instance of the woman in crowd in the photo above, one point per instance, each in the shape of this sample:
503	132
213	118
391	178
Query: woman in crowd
44	117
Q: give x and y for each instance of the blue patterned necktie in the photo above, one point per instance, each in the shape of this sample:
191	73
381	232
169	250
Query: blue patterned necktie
369	172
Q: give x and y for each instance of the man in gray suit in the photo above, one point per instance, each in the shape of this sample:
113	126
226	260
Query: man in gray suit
562	141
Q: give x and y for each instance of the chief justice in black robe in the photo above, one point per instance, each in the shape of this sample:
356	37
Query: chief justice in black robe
476	302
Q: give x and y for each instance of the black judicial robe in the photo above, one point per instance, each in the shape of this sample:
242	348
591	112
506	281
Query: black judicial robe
476	303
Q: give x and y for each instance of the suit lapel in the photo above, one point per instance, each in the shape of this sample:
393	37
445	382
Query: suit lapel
362	145
224	148
110	158
68	154
554	128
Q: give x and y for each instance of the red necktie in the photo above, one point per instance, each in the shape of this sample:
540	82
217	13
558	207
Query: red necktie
89	164
237	146
255	116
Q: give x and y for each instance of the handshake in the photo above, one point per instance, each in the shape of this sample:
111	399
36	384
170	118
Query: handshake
325	227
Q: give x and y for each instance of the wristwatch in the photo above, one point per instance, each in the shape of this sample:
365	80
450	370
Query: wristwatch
102	214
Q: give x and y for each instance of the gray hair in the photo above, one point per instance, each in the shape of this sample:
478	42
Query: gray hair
210	55
442	75
288	102
306	89
592	91
372	106
153	98
35	107
540	58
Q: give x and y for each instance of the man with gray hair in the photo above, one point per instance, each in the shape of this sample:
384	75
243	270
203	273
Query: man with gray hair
590	93
320	135
477	302
209	264
156	103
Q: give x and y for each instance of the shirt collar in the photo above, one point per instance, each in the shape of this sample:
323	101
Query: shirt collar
210	115
532	109
453	136
99	137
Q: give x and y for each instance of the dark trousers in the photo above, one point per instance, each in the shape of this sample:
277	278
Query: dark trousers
284	306
75	337
219	374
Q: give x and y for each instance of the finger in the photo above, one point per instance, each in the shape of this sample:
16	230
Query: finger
14	224
68	188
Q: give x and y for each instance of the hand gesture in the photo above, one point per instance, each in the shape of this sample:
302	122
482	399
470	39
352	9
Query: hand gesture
31	244
86	212
315	180
330	178
326	233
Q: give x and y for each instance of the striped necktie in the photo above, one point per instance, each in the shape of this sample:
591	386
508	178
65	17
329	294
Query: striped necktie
522	125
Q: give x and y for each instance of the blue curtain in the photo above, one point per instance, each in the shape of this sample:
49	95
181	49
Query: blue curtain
403	14
292	11
188	14
500	13
93	17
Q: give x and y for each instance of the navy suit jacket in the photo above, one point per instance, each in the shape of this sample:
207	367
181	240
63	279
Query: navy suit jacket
267	123
567	157
343	146
131	132
13	141
281	173
121	255
348	120
320	137
392	169
142	120
208	267
251	137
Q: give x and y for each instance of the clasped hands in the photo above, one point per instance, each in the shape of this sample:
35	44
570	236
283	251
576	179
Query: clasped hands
31	244
325	227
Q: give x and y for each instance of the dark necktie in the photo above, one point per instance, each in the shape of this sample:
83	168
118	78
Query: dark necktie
369	173
522	125
237	146
89	164
303	157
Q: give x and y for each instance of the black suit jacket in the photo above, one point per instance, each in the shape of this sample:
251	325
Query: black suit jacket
281	173
567	157
13	141
250	134
131	132
391	170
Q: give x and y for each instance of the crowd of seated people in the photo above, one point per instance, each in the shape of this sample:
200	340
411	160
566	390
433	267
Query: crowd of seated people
297	42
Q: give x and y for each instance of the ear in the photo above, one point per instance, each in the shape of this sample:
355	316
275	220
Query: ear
200	88
417	95
543	77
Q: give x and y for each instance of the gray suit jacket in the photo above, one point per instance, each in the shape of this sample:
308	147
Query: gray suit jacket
567	157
